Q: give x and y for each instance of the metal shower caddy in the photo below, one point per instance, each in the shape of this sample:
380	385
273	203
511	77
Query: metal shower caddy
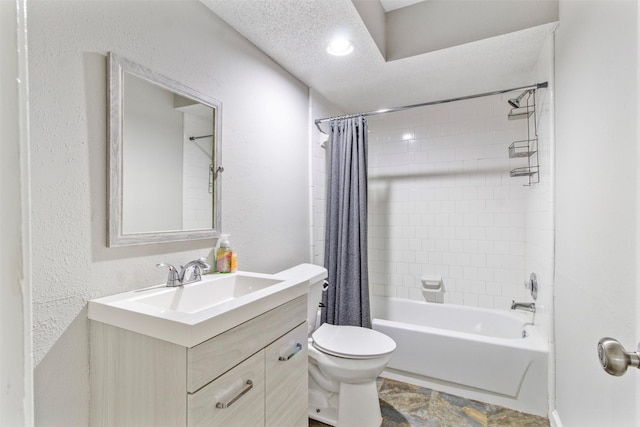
526	148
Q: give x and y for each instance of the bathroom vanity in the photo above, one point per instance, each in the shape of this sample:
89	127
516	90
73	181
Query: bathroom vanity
253	373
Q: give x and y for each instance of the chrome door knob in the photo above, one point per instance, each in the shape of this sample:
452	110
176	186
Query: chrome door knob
614	358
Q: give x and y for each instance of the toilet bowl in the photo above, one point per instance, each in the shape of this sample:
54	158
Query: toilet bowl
342	374
344	362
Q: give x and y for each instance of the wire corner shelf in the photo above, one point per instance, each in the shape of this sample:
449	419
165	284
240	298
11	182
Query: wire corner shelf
526	148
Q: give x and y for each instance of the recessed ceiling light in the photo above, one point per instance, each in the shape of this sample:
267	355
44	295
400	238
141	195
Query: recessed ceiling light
340	47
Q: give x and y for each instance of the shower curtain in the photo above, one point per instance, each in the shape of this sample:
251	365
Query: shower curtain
346	300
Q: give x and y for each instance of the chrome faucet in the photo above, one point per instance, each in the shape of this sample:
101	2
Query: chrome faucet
198	266
526	306
176	278
172	279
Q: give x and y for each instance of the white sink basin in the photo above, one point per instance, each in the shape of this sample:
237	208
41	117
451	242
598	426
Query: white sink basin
200	295
190	314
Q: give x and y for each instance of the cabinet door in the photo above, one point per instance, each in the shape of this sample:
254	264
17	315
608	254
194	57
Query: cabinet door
235	399
287	381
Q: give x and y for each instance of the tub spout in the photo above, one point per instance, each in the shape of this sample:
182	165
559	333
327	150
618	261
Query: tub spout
526	306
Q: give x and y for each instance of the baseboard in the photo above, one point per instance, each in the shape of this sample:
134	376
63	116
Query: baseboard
554	419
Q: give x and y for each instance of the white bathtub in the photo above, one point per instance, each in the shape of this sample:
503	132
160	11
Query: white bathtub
467	351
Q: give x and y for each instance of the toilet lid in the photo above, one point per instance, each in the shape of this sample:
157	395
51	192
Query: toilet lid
352	342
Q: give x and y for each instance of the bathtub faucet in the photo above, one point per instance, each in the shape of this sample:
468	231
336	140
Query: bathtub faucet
526	306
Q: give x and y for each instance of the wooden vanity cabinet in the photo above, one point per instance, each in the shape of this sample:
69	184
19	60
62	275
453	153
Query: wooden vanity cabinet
254	374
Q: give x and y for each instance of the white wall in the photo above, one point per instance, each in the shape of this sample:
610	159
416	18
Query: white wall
16	398
264	152
596	216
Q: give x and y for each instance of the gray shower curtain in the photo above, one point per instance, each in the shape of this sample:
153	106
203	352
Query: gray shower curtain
346	300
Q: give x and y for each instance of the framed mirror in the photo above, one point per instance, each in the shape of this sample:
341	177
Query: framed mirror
164	158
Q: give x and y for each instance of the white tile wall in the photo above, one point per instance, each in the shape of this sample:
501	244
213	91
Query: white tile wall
442	203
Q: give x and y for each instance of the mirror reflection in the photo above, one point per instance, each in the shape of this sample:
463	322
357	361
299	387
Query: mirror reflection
167	160
164	183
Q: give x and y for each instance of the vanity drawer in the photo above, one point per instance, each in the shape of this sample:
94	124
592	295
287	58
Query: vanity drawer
217	355
241	390
287	390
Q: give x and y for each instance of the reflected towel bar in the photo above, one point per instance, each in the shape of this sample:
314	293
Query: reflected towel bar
193	138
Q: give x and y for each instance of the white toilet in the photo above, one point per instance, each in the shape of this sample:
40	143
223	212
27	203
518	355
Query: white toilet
344	362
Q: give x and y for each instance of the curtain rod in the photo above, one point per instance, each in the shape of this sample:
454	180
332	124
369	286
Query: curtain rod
424	104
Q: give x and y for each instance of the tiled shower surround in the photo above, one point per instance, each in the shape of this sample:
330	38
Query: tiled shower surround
442	203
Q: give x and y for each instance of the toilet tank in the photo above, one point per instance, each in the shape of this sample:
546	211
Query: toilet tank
315	276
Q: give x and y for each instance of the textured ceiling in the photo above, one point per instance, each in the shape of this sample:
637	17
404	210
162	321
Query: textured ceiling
295	33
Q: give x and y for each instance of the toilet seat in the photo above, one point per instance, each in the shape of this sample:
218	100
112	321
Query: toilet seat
352	342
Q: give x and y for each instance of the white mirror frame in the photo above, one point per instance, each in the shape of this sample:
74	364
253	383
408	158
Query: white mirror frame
117	65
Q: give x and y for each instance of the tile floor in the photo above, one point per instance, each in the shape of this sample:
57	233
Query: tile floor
406	405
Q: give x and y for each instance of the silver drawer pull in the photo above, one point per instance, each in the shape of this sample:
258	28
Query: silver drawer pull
249	386
284	359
